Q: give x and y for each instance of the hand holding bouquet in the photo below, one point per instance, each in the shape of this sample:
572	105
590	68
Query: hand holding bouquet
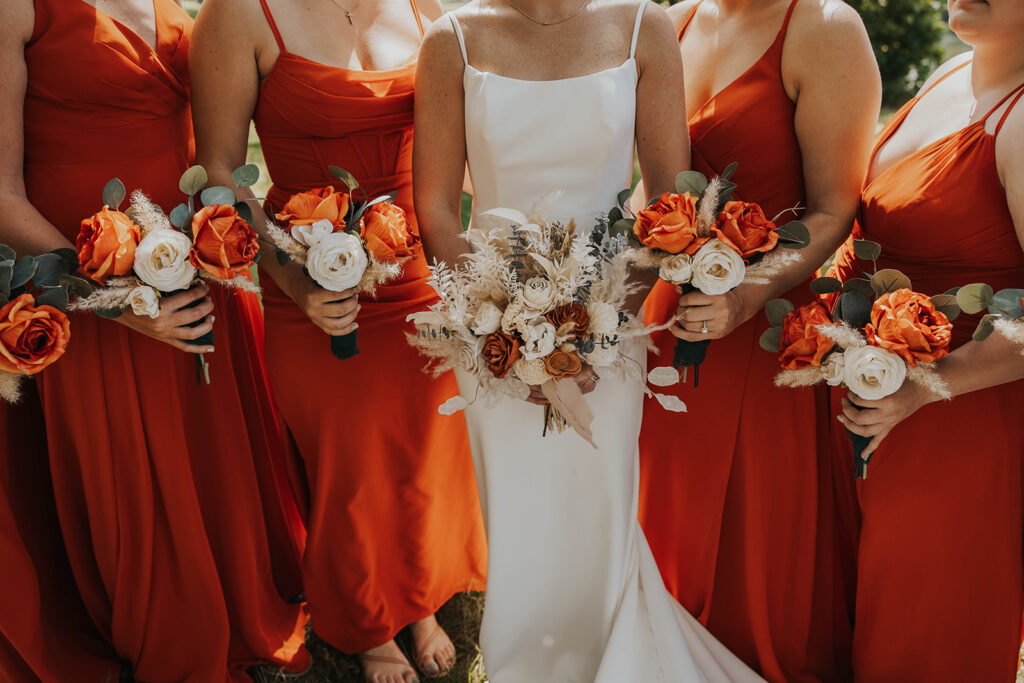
700	239
344	243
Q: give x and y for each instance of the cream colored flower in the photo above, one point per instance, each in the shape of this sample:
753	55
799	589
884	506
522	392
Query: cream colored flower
308	235
677	269
604	319
539	294
532	372
337	262
717	268
161	260
835	369
874	373
539	339
603	355
144	301
487	319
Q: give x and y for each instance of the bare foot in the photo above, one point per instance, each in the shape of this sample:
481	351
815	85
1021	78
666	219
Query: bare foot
387	664
433	649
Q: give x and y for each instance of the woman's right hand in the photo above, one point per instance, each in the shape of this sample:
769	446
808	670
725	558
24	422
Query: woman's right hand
171	326
333	312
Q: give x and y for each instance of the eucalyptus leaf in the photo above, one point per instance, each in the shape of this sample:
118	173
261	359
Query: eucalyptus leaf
77	285
693	182
244	211
952	291
4	300
109	313
614	214
986	326
114	193
51	267
180	216
866	250
729	170
725	194
794	235
826	285
854	308
622	198
53	296
69	257
861	285
344	176
771	339
1008	302
947	304
24	270
193	180
776	311
6	272
6	253
246	176
218	194
623	226
889	280
975	298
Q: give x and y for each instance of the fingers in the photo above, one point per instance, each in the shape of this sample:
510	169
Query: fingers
863	402
337	310
587	380
185	316
861	430
873	445
321	297
696	299
179	301
188	348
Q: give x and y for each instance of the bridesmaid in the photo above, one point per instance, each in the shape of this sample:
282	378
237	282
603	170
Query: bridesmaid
732	499
943	504
156	485
394	521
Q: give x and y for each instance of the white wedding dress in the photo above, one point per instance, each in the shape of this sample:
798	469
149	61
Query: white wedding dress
573	592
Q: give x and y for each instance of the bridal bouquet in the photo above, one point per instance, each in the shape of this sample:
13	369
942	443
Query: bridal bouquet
140	255
343	242
700	239
880	334
533	304
34	331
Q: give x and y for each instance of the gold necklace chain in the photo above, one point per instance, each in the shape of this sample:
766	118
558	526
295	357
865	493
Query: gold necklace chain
348	12
547	23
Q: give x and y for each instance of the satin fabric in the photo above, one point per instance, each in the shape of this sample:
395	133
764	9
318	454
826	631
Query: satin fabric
157	477
394	522
937	525
573	591
733	497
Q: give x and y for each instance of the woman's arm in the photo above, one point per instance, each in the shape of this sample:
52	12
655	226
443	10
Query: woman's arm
832	70
229	39
975	365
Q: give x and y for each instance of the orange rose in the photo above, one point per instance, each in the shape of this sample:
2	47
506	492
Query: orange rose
561	364
570	313
106	245
907	323
31	337
802	345
670	224
387	233
747	229
501	352
323	203
223	244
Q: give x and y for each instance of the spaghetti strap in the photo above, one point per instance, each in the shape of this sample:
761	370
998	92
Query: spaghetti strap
1015	94
462	41
636	27
789	15
689	19
273	25
941	79
416	13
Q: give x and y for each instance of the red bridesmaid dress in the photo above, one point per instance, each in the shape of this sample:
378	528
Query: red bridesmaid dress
394	525
731	493
157	478
939	571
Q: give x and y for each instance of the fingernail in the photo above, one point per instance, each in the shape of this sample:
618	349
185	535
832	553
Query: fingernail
209	349
212	318
432	667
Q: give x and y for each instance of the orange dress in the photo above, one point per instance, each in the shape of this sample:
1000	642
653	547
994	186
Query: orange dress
939	572
157	478
394	521
730	492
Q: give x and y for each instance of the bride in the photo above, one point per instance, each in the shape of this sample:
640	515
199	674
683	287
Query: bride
540	96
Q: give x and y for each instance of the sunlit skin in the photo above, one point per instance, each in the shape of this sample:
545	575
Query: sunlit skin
993	30
233	50
597	38
24	229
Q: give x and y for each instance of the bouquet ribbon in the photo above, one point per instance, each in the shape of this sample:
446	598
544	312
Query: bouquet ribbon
565	396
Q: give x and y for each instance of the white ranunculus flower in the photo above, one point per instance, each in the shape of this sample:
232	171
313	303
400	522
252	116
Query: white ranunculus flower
602	356
835	369
604	319
308	235
717	268
487	319
539	339
539	294
144	301
677	269
874	373
161	260
337	261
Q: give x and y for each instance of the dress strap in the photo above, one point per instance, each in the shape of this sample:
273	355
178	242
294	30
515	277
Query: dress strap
941	79
636	27
689	19
273	25
1015	94
789	15
458	35
416	13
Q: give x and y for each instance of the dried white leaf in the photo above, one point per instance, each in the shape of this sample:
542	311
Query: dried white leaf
671	403
453	405
664	376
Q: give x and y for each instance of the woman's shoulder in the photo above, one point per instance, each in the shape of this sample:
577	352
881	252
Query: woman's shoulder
945	68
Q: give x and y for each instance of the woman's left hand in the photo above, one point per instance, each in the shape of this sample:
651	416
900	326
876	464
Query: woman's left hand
719	315
876	419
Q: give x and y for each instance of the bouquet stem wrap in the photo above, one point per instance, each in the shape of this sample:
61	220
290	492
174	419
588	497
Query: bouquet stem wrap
345	346
859	444
688	353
